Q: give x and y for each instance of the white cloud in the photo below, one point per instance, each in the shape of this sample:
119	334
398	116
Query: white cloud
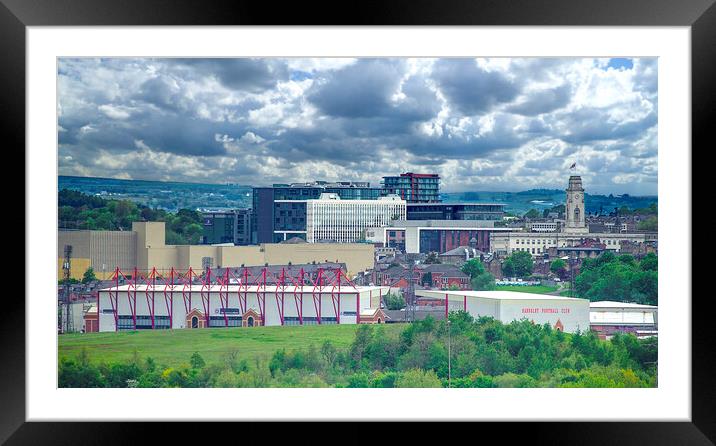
165	119
115	112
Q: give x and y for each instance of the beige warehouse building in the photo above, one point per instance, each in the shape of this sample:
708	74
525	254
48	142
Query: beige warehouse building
144	247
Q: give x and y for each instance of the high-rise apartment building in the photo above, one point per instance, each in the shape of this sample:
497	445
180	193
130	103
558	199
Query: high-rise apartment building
414	187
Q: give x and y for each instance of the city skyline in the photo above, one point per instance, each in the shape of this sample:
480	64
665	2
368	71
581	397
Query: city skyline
482	124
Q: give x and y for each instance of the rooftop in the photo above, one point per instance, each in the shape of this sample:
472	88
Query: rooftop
328	184
235	288
460	203
461	250
497	295
613	304
448	224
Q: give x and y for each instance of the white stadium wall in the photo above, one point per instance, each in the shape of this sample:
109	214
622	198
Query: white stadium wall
571	314
178	302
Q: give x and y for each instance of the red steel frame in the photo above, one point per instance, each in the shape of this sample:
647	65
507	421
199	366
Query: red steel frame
245	279
282	286
169	302
224	296
298	297
206	297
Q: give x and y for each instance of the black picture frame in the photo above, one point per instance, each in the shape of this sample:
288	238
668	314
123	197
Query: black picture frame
700	15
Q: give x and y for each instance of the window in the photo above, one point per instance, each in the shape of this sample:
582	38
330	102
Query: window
218	321
143	322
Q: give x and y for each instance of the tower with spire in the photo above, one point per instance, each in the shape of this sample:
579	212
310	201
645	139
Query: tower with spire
575	219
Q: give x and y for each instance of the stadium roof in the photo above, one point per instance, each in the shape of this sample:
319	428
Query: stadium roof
234	288
610	304
497	295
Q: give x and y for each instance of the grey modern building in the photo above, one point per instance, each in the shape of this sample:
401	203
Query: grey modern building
456	211
280	210
227	226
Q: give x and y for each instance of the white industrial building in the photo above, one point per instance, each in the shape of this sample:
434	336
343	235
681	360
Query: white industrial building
609	317
567	314
147	306
542	226
422	236
330	219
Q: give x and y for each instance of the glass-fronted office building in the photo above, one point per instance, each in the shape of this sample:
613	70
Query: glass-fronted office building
280	210
227	226
414	187
456	211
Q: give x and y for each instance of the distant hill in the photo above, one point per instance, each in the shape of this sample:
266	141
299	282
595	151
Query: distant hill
177	195
540	199
169	195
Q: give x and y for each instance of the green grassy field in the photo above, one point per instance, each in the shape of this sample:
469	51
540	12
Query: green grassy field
175	347
538	289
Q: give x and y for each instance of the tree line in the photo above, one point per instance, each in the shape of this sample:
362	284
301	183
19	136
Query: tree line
484	353
621	278
78	210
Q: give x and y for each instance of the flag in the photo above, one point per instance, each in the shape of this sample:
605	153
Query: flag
573	165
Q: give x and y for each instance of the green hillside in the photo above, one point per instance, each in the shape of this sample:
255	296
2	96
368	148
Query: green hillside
175	347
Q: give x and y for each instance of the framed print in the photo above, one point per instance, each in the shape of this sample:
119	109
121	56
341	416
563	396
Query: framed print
261	218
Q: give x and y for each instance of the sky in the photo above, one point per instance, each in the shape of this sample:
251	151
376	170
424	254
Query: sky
486	124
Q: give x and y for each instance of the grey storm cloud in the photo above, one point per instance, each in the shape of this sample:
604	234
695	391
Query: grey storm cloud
471	89
268	120
593	124
160	92
543	101
253	75
360	90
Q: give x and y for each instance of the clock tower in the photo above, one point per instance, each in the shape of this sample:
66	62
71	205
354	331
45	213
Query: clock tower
575	219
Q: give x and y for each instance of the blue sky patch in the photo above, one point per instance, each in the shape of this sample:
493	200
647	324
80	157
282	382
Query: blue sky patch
619	63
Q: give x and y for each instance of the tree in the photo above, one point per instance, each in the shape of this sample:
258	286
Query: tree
394	301
89	276
483	282
124	208
193	233
480	279
519	264
415	378
328	353
197	361
559	267
362	339
473	268
559	209
650	224
227	378
508	267
532	213
432	258
649	263
622	279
